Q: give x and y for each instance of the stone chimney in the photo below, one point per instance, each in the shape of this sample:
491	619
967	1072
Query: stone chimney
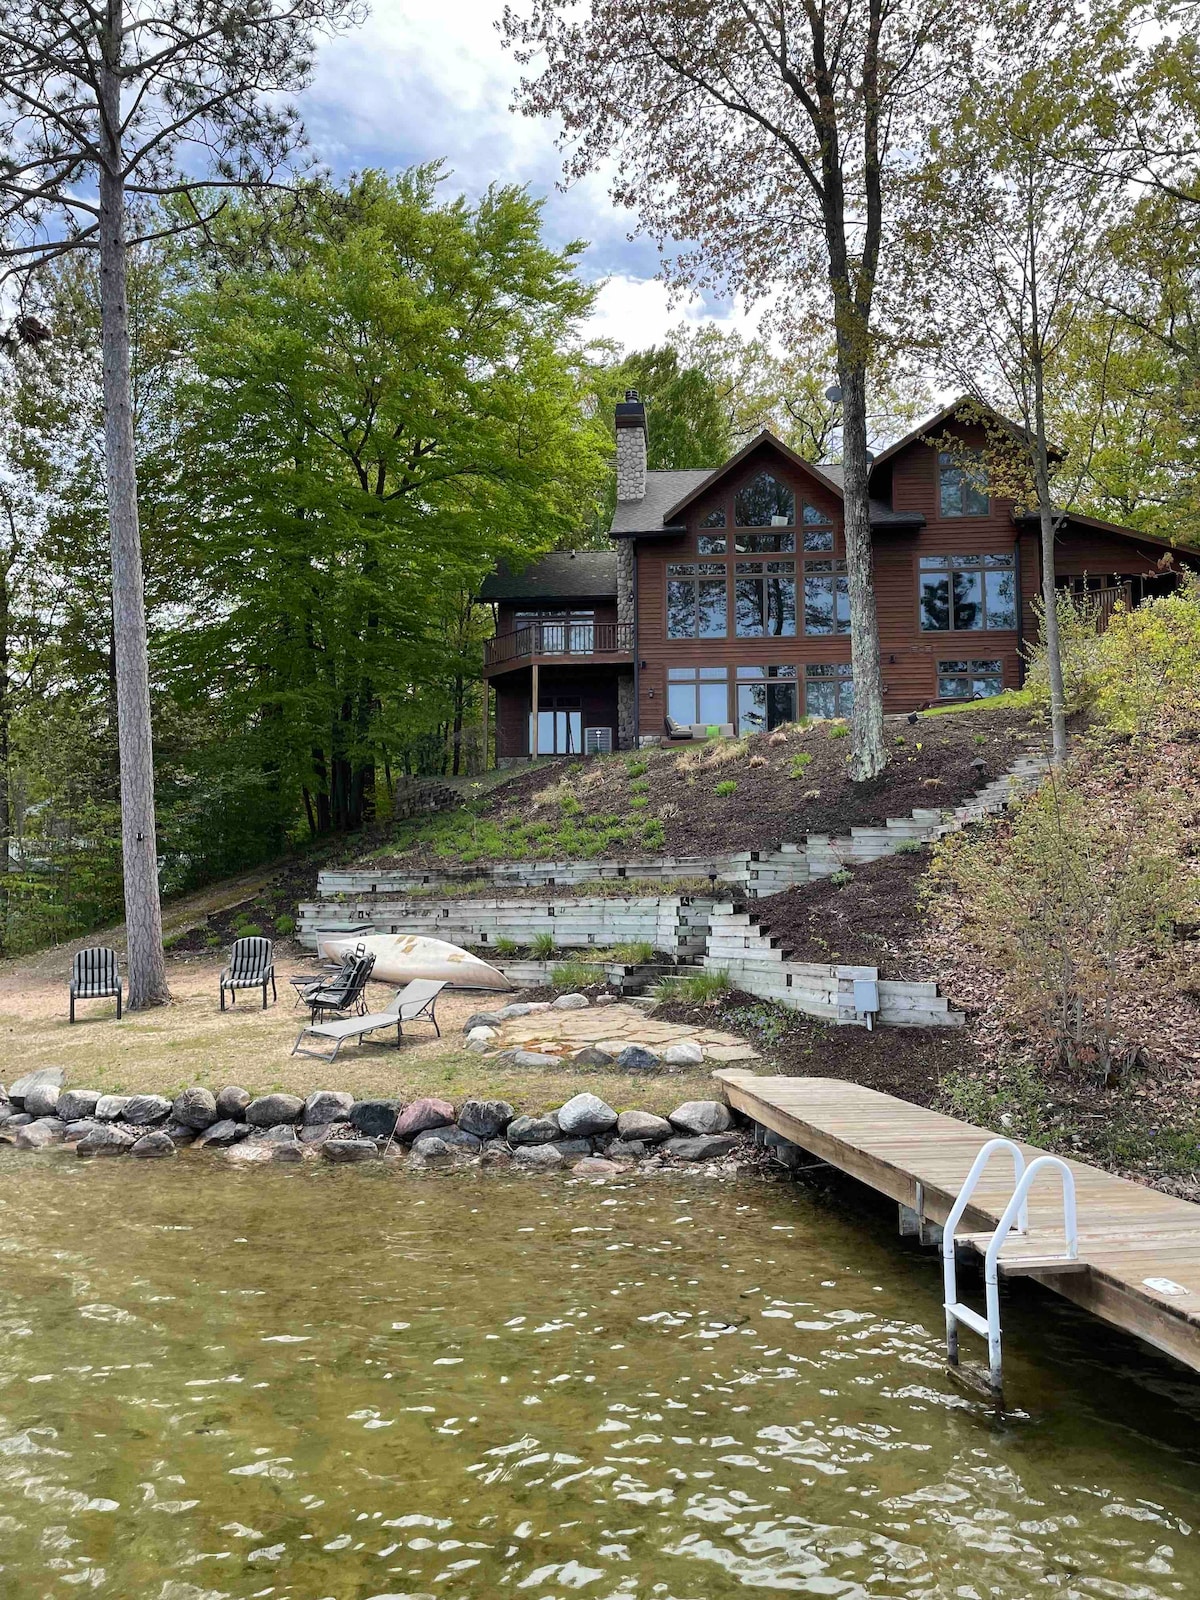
631	447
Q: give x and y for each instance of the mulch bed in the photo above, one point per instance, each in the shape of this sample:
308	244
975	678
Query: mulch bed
294	881
906	1062
870	921
937	762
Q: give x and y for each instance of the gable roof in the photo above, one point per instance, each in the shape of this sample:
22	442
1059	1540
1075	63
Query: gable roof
670	493
947	414
565	575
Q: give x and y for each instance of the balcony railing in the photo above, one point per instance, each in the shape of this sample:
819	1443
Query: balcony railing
572	640
1098	605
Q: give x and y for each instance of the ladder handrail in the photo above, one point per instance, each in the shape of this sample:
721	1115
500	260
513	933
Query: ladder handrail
1016	1213
991	1148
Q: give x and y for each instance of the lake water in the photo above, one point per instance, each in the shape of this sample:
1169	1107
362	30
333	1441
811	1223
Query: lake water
315	1383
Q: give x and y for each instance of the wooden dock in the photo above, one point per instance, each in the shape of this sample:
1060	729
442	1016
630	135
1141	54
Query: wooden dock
1139	1251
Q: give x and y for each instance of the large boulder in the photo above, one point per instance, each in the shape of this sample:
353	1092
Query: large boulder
592	1056
110	1107
644	1126
74	1131
41	1099
637	1058
40	1134
271	1109
53	1076
224	1133
534	1130
421	1116
486	1119
105	1140
522	1008
450	1138
701	1116
570	1002
144	1109
374	1119
685	1053
595	1167
482	1019
232	1103
584	1115
152	1145
180	1134
277	1133
626	1150
196	1108
702	1148
572	1149
346	1150
538	1157
534	1058
327	1105
74	1105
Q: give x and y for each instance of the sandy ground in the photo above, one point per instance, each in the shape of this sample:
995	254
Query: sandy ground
192	1042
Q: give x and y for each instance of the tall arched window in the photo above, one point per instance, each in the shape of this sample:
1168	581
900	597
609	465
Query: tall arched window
764	502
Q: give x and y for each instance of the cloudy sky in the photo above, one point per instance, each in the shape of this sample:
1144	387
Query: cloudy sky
419	82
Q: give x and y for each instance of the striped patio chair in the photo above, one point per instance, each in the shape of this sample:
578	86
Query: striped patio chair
95	975
251	966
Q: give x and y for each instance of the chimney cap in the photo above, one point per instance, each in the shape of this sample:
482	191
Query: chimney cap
631	412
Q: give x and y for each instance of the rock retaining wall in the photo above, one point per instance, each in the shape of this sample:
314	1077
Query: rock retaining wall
39	1113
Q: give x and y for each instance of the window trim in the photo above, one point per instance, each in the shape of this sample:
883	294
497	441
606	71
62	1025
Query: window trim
950	460
981	562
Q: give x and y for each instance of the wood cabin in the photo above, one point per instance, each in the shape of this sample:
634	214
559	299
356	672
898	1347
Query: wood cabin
724	599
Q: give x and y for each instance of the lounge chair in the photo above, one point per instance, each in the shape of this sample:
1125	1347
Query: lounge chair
251	966
95	975
416	999
303	982
343	991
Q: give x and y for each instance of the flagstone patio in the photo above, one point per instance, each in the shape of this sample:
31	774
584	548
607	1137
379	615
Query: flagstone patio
612	1028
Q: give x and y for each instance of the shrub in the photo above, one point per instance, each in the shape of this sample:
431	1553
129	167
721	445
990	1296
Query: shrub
285	925
910	847
505	947
542	946
640	787
758	761
841	878
800	764
636	767
639	802
1073	899
839	730
725	787
1142	671
654	834
777	738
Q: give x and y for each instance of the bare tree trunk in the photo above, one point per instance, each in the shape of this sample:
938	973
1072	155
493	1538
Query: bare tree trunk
1046	520
869	753
5	726
143	912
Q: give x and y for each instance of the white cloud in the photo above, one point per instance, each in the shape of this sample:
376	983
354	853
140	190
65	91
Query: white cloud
637	312
417	83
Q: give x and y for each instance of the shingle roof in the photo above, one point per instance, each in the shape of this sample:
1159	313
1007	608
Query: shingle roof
663	490
882	515
566	575
666	490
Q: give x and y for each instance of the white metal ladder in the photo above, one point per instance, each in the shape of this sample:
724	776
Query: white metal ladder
1016	1217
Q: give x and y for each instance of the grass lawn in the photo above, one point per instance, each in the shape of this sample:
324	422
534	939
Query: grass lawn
192	1042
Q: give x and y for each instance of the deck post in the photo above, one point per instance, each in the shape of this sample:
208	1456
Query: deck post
533	715
483	754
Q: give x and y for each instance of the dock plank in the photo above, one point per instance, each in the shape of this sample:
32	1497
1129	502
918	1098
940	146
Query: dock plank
1128	1234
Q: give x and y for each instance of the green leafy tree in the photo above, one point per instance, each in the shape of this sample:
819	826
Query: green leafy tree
381	409
686	424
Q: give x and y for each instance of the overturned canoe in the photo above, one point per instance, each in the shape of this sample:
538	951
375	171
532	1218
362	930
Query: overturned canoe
401	957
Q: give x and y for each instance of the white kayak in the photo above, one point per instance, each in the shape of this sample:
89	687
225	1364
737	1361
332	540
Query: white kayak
401	957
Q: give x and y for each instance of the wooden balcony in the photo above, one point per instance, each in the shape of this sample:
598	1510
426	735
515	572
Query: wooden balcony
548	642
